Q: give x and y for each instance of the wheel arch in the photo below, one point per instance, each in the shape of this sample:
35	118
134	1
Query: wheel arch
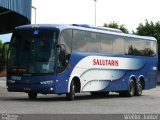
77	83
142	79
132	77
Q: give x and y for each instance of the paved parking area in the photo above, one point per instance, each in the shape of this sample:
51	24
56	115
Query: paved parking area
11	102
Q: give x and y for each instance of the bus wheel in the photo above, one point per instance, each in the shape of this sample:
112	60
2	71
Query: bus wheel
71	95
131	91
32	96
139	89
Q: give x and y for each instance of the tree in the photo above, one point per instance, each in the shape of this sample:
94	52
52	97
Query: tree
150	29
1	45
3	61
117	26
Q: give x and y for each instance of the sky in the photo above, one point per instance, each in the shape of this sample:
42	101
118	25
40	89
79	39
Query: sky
127	12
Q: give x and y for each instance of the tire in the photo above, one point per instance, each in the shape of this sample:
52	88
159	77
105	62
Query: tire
139	89
32	96
99	94
71	95
130	92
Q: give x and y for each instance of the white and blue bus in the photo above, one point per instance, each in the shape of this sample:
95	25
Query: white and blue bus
69	59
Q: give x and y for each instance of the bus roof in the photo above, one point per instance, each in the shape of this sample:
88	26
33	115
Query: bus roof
85	27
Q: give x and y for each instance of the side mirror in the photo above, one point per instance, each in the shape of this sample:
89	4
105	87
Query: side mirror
62	55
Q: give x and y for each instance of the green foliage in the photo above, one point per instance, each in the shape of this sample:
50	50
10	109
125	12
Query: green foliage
150	29
1	44
117	26
3	61
5	54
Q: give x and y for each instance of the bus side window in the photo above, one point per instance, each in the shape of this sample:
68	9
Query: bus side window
148	50
153	48
106	43
65	39
65	44
139	47
93	41
118	45
129	46
79	43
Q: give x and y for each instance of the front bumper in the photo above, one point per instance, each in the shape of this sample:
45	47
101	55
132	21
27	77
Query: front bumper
44	89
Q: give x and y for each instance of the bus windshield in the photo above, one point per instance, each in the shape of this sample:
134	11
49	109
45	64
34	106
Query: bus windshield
32	51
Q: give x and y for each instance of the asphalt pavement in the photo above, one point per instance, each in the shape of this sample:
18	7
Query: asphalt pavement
17	106
84	103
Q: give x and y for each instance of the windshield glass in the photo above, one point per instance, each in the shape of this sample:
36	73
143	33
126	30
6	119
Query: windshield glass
32	51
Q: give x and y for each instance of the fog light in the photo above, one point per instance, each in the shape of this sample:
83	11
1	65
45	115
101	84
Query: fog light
51	89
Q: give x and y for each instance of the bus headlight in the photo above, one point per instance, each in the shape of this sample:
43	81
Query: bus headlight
46	82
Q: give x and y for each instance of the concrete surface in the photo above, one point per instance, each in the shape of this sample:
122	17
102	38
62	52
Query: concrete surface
12	102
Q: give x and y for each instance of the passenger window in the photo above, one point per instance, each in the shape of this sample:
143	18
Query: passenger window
153	48
65	39
79	41
106	43
118	45
129	46
93	42
139	47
